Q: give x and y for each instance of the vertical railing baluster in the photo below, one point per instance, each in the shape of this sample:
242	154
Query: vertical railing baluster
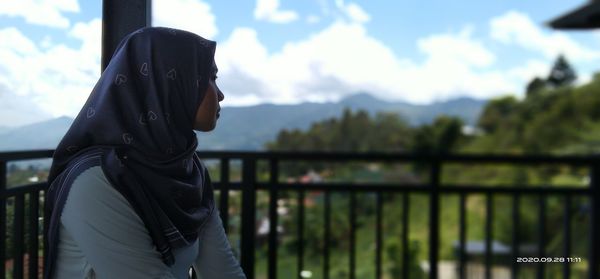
594	252
567	237
405	245
45	235
541	234
300	233
434	218
516	208
379	232
18	236
489	209
224	196
33	234
3	218
462	237
273	220
248	215
352	235
327	236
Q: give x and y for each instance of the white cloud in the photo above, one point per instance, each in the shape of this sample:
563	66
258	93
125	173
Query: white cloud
312	19
530	69
343	59
41	12
268	10
18	110
457	47
353	12
56	78
516	28
191	15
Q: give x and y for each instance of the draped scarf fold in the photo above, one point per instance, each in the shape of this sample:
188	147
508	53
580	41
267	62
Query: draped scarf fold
137	124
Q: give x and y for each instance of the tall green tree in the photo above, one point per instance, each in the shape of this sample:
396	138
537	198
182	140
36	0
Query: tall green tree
496	112
440	137
561	74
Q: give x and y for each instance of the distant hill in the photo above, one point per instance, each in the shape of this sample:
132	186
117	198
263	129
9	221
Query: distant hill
249	128
41	135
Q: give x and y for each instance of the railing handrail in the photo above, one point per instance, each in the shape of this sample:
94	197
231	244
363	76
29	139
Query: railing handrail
359	156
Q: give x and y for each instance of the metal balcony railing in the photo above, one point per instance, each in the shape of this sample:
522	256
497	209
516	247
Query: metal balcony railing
29	198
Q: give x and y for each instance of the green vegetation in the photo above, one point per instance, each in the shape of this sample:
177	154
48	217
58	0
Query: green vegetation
556	117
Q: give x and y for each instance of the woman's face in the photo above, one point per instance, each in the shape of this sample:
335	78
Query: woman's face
208	111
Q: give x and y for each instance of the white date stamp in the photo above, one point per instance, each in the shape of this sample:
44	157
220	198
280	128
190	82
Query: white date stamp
548	259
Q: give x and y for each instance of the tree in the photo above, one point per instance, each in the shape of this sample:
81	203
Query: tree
496	112
561	74
440	137
534	86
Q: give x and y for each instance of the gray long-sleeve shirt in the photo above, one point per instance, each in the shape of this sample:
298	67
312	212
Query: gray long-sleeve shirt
101	236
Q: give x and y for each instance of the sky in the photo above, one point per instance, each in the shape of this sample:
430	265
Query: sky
288	52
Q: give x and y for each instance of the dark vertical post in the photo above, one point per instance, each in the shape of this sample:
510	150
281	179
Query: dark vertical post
378	236
3	218
18	236
300	233
224	196
567	237
488	235
327	220
33	234
273	219
248	216
515	236
45	235
352	234
594	268
405	247
541	234
120	18
434	218
462	236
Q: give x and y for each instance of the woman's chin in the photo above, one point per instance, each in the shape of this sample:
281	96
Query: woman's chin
206	127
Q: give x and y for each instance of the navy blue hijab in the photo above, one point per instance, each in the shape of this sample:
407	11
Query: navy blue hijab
137	124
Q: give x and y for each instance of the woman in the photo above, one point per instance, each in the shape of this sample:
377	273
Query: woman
128	196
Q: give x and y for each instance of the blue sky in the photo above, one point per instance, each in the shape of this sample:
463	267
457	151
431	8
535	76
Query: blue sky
283	51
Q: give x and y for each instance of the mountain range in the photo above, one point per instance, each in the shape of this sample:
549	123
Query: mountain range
249	128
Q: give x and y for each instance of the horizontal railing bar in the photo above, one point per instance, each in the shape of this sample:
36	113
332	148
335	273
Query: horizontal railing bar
374	187
349	156
404	157
521	189
26	155
364	187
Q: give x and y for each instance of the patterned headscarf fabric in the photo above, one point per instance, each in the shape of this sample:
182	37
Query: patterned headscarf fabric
137	124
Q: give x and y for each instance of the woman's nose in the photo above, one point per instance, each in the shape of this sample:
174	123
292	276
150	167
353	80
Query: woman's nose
221	96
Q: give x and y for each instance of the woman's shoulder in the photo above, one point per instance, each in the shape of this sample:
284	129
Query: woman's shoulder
92	188
91	178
